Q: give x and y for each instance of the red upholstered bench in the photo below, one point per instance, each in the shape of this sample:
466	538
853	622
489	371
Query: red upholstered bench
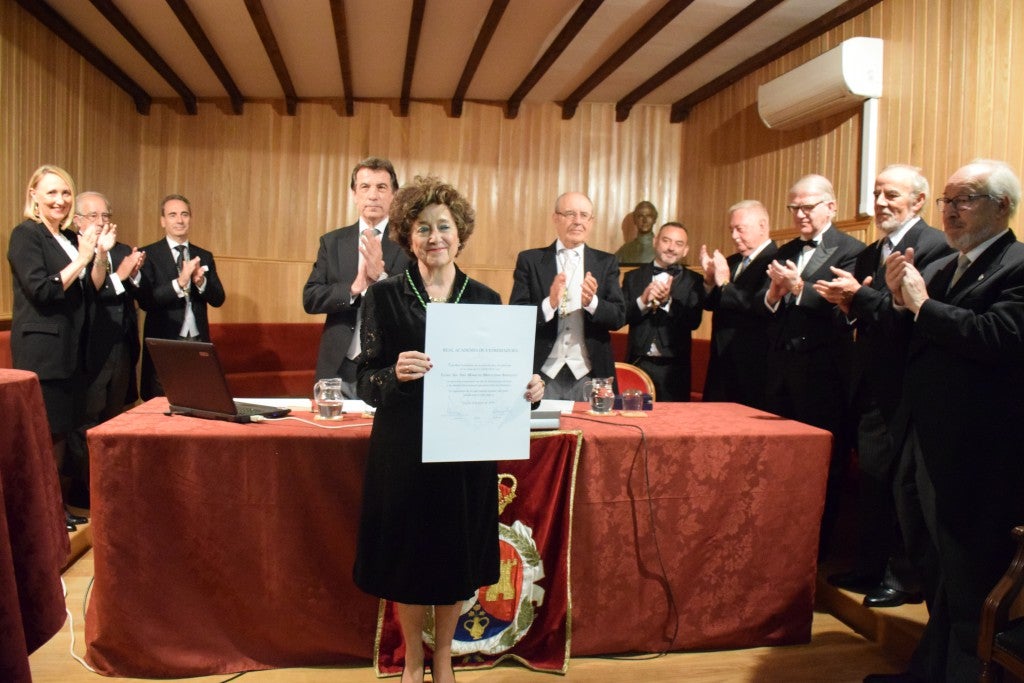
700	352
268	359
6	361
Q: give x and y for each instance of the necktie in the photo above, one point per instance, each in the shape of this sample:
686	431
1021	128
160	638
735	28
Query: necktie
962	264
809	243
886	249
742	266
180	258
371	232
671	270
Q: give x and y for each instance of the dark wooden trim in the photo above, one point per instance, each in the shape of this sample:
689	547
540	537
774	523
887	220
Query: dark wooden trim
266	33
202	42
568	33
681	108
120	22
483	39
419	7
669	11
344	60
80	44
734	25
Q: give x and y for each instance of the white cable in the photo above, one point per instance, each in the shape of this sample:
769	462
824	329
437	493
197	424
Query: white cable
71	628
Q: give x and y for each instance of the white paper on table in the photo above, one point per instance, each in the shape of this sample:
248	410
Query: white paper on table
473	397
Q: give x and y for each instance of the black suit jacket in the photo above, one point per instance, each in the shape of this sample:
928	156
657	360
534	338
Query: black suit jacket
47	321
671	329
328	287
809	348
165	310
736	366
881	343
536	268
112	319
963	391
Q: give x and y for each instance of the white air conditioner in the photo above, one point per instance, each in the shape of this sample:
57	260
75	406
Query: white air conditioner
838	80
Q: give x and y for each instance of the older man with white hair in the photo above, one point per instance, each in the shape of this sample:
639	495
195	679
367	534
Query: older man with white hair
961	409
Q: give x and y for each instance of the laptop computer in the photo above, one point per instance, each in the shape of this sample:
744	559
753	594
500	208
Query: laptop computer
194	382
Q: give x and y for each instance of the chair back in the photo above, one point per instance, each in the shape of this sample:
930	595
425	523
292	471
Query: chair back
630	376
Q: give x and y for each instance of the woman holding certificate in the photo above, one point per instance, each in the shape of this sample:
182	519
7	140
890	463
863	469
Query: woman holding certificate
428	533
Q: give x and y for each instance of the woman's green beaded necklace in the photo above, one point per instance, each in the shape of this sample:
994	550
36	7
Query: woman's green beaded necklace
408	277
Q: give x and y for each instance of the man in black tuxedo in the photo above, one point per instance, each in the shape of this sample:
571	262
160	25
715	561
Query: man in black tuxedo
736	367
179	281
578	298
663	306
808	346
112	333
349	260
960	413
882	569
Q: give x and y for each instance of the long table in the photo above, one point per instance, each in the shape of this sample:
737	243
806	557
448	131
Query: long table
33	539
221	547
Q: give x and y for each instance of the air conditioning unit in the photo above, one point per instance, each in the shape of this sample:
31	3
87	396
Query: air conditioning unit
838	80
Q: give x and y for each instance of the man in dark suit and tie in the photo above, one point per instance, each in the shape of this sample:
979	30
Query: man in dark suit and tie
578	298
349	260
112	333
179	281
663	307
808	347
736	367
960	412
882	569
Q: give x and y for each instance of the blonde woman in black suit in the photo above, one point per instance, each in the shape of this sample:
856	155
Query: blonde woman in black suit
52	278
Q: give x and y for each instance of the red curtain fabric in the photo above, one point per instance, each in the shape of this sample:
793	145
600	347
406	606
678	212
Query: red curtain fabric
525	616
33	541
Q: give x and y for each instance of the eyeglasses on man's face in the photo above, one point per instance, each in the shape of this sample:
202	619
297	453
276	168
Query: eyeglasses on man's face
806	208
960	201
583	216
95	215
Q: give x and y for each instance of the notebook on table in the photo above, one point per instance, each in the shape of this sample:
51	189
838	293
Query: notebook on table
194	382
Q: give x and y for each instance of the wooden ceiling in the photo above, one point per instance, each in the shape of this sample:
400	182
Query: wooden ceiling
677	52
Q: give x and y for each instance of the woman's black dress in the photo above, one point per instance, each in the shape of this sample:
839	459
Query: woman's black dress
428	533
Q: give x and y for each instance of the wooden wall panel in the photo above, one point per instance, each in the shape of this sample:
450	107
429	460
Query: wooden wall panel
55	108
949	96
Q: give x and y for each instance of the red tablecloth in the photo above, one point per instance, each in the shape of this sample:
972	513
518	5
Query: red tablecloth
221	547
33	541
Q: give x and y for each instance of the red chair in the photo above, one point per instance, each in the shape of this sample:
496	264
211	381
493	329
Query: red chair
1001	638
630	376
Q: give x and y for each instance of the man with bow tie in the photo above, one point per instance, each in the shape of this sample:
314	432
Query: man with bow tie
578	298
808	346
664	303
349	260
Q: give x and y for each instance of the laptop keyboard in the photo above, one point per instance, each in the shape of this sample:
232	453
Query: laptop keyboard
251	408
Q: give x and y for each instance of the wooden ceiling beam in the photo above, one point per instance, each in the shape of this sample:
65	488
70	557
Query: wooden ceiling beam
83	46
669	11
716	38
412	44
483	39
344	59
681	107
568	33
259	19
120	22
202	42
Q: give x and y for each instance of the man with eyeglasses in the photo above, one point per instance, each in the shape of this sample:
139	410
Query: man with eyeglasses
882	570
961	472
808	350
578	298
112	338
349	260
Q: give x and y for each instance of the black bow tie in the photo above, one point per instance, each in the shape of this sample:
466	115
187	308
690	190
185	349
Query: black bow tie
671	270
809	243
